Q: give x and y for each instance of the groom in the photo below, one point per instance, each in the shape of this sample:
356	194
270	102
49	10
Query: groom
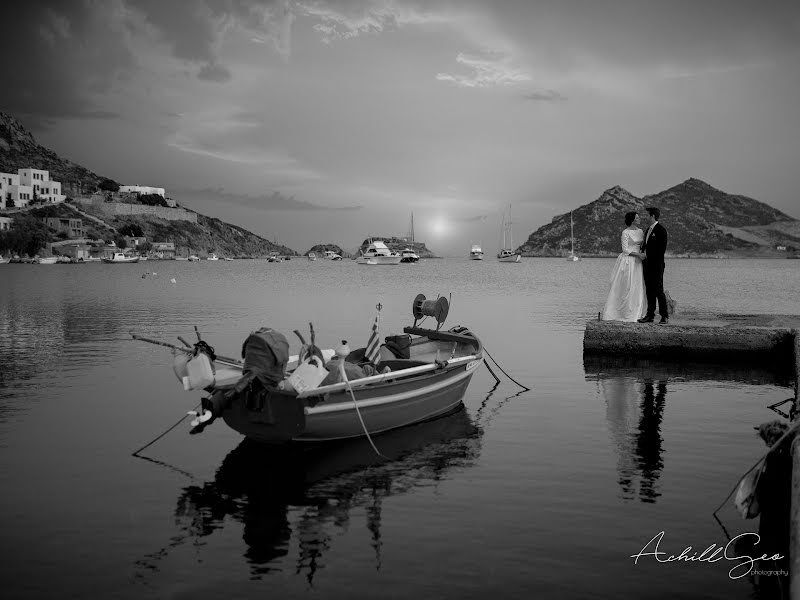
654	245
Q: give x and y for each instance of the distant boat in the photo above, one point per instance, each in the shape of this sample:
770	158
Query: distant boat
507	253
120	257
193	258
572	256
47	260
212	257
331	255
408	255
312	256
378	253
227	258
476	253
4	261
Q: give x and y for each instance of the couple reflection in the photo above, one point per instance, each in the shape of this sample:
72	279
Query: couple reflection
634	411
293	502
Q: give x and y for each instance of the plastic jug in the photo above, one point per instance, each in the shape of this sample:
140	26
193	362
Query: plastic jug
308	375
199	373
179	363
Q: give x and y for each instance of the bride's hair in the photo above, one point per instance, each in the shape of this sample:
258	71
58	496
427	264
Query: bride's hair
629	217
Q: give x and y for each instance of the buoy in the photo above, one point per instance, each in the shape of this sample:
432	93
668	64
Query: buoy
343	350
173	280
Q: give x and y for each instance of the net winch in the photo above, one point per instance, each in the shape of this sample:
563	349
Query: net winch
430	308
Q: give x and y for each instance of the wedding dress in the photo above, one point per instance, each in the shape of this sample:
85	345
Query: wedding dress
626	298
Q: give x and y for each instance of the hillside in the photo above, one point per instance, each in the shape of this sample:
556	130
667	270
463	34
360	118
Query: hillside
19	149
701	221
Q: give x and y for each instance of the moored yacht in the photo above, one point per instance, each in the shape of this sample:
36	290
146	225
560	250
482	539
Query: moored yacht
378	253
476	253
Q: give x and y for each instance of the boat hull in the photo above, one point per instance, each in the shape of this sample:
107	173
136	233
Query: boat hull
510	258
135	259
383	407
378	260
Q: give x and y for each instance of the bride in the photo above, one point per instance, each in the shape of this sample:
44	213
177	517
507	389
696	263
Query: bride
626	298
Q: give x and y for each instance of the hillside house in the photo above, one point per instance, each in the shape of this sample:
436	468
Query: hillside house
164	250
26	185
5	223
72	227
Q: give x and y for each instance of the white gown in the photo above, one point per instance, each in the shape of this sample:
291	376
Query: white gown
626	298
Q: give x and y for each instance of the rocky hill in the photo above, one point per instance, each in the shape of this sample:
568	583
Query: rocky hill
19	149
320	249
396	244
701	220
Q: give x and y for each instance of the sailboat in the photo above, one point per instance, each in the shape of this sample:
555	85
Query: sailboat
507	253
572	256
408	254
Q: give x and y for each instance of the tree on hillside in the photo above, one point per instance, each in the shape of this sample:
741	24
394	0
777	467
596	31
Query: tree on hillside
108	185
120	242
152	200
27	235
131	230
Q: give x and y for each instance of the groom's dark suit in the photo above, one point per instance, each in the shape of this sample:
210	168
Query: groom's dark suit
654	246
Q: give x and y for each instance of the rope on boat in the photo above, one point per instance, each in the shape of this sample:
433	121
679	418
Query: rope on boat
163	434
496	378
358	411
525	388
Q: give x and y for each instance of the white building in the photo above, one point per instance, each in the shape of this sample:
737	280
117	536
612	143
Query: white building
143	189
44	189
28	184
5	223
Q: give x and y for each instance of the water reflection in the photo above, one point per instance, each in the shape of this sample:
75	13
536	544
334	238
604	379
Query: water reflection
634	411
309	495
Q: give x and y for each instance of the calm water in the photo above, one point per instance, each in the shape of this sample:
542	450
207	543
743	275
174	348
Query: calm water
546	493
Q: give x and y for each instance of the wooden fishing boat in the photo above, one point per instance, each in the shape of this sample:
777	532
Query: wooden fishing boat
120	257
428	382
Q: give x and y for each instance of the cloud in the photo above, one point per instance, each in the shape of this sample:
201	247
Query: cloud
494	68
339	21
544	96
214	72
58	57
273	201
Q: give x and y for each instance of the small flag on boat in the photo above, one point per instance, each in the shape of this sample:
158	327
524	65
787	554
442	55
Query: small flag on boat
372	353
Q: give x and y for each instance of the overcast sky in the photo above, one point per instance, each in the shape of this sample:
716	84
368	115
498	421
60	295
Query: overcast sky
327	121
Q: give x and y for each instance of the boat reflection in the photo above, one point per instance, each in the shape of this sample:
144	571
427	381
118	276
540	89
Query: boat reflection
309	495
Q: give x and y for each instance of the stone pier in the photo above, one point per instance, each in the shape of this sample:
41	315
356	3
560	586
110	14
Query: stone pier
772	340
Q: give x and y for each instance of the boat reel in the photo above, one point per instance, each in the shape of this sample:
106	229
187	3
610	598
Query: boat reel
430	308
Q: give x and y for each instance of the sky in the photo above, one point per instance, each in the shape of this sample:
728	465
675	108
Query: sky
329	121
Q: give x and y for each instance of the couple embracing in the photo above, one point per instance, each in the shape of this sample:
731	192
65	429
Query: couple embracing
637	280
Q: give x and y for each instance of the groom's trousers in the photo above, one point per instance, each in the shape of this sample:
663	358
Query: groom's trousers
654	289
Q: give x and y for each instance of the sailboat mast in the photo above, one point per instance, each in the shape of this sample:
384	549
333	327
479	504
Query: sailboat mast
510	230
571	235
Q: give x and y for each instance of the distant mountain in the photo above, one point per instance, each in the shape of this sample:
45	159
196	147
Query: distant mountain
18	150
701	220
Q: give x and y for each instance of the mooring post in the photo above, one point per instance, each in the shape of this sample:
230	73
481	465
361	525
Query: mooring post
794	517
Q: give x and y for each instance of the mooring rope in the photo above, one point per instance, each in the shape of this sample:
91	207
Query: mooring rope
358	411
527	389
163	434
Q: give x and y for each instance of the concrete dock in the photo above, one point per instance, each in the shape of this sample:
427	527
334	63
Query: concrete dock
699	336
732	339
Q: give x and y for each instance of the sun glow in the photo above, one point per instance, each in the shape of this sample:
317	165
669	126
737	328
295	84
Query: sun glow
439	226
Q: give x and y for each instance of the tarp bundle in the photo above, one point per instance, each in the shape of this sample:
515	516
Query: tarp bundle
265	353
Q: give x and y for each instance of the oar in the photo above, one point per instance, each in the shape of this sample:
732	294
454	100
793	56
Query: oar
221	359
357	383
